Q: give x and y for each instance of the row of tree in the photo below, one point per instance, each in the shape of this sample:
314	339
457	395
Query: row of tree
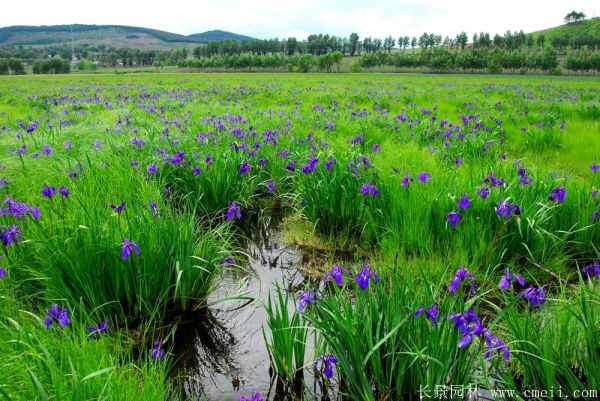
298	62
441	59
323	44
14	65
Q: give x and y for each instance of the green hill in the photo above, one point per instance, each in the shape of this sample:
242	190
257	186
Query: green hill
215	35
117	36
590	26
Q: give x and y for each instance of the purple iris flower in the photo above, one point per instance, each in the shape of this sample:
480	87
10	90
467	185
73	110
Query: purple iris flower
336	273
453	218
270	186
431	313
127	247
326	364
307	297
493	180
557	194
506	209
463	201
508	278
483	192
364	275
2	272
196	170
234	211
244	167
63	191
118	208
227	261
99	328
154	207
255	397
357	139
54	315
594	167
535	295
369	189
460	274
423	176
68	144
329	162
493	343
375	148
158	352
593	269
151	169
10	234
407	179
469	324
48	191
46	149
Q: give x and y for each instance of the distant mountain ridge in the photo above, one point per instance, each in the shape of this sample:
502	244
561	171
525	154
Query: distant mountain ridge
117	36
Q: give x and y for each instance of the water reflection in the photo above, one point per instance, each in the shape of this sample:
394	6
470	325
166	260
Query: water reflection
221	351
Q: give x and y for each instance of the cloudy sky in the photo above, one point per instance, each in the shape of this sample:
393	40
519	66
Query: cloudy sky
283	18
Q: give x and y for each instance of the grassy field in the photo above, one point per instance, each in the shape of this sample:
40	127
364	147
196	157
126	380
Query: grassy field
121	200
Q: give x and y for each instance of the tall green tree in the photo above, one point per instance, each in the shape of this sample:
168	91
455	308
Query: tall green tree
388	44
462	39
352	43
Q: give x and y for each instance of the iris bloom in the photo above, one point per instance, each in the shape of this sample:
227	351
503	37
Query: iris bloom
48	191
369	189
63	191
593	269
326	364
99	328
493	181
594	167
460	274
270	186
255	397
364	275
336	273
307	297
234	211
423	176
536	296
431	313
453	218
118	208
227	261
244	167
406	180
329	162
557	194
508	278
54	315
463	201
10	234
483	192
127	247
154	207
158	352
493	343
506	209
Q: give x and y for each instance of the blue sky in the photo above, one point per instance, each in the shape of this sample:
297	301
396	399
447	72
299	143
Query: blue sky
283	18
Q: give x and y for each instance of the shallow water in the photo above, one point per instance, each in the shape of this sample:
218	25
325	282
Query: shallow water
221	352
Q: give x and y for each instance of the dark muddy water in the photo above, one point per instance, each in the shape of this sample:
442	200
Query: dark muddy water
221	353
